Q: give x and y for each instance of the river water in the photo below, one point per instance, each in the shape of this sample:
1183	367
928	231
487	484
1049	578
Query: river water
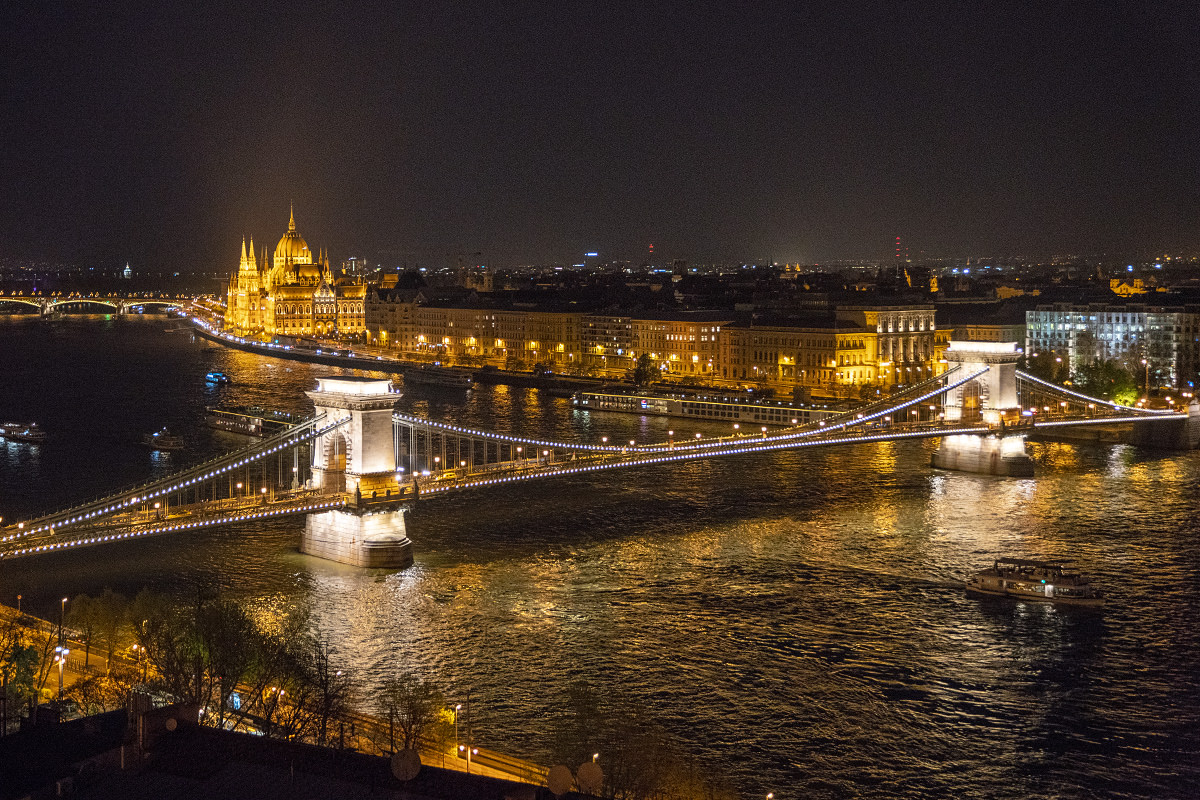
795	619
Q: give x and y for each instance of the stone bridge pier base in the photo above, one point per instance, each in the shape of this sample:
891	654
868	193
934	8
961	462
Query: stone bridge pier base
374	539
987	455
989	399
1181	433
357	460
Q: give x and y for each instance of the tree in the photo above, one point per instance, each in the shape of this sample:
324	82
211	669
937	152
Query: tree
644	371
20	667
331	685
82	616
112	621
228	640
1106	379
640	760
412	706
1047	365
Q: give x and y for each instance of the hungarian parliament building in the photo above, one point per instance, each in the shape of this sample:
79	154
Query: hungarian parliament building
293	294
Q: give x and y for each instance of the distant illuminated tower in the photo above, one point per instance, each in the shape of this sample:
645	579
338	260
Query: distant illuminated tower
128	273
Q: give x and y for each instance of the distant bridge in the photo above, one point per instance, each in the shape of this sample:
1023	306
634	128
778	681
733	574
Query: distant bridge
357	465
47	305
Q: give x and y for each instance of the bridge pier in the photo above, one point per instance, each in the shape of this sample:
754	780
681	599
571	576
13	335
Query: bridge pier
361	538
987	455
359	459
990	399
1181	434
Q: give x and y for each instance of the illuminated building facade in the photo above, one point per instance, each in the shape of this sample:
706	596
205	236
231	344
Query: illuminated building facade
1162	343
294	294
906	336
831	353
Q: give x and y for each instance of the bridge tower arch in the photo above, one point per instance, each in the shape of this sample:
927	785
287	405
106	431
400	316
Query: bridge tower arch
359	459
990	399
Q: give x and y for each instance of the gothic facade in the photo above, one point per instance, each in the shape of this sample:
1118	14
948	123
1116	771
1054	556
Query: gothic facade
293	293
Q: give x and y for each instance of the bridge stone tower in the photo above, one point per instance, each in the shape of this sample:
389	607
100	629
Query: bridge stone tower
358	459
989	400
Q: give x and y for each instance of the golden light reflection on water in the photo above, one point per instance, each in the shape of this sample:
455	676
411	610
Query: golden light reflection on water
785	616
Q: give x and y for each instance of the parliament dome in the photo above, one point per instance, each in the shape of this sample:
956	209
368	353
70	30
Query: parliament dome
292	246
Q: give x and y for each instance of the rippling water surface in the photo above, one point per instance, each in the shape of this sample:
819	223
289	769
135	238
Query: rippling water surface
795	619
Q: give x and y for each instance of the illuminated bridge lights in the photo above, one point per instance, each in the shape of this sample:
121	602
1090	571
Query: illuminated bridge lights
850	427
304	431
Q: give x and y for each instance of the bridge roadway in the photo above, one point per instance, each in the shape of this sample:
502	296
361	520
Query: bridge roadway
137	524
134	513
140	523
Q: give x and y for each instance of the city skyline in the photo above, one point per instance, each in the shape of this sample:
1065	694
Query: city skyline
537	134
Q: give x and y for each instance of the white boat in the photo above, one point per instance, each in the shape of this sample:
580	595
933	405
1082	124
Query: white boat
163	440
1038	581
22	432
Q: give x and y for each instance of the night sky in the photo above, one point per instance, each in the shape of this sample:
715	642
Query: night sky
410	133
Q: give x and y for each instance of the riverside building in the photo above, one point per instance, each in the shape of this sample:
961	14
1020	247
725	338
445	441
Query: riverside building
836	352
1163	342
293	294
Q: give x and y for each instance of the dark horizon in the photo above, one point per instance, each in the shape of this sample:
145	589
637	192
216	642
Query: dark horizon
534	134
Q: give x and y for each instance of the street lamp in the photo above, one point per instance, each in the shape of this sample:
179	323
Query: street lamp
62	613
61	660
457	708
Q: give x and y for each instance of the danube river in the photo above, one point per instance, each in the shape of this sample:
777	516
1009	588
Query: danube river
796	620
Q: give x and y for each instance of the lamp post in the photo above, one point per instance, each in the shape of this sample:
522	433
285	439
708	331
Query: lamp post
61	660
62	613
457	708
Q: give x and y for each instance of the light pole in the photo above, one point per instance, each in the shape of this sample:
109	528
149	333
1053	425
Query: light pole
61	659
62	613
457	708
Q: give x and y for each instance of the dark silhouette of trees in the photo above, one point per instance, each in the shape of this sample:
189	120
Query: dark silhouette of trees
639	759
644	371
412	707
1107	379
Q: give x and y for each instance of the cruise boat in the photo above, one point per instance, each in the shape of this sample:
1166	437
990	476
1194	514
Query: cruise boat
163	440
1039	581
714	407
217	378
22	432
248	420
440	377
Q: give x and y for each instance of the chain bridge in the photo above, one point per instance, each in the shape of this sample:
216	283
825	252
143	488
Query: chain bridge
356	465
48	305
